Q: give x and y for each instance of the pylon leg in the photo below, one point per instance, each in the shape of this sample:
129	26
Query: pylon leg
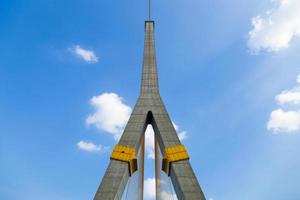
157	169
141	170
113	182
117	173
183	178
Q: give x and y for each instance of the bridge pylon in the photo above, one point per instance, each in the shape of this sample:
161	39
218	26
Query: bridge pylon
149	109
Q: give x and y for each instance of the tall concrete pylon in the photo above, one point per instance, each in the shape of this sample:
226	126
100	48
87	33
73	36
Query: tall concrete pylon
149	109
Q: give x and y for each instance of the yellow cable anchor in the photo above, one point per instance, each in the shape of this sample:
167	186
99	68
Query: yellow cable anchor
125	154
173	154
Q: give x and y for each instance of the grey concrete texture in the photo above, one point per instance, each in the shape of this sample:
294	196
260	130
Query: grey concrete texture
149	109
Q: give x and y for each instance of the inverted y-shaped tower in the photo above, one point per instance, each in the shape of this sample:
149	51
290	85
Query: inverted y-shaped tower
149	109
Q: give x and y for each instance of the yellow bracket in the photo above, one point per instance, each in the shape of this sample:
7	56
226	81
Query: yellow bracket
173	154
125	154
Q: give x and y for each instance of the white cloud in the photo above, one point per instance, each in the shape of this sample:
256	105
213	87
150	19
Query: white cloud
298	78
111	114
91	147
289	96
275	29
149	142
284	121
181	134
87	55
149	188
168	196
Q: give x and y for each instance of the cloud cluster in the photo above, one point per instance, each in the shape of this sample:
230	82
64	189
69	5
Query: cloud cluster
87	55
274	30
91	147
289	96
282	121
111	114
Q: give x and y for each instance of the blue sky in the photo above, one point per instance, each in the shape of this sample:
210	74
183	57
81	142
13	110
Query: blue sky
228	75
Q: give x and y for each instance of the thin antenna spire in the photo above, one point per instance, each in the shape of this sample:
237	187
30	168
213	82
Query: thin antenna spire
149	9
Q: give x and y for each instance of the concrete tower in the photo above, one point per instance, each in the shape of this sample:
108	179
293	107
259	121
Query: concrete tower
149	109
